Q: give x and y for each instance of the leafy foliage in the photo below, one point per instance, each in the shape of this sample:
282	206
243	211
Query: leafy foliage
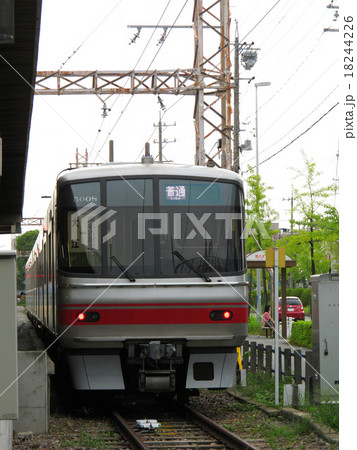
301	333
316	240
254	325
24	243
259	215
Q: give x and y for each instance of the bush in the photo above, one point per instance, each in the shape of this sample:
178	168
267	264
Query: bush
301	333
296	292
254	325
306	297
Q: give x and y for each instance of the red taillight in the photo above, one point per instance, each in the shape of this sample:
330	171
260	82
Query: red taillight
221	315
88	316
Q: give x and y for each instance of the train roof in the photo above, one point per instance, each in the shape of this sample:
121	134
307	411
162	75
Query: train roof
147	169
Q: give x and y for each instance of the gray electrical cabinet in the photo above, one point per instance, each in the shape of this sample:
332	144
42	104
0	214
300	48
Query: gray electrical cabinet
8	337
325	335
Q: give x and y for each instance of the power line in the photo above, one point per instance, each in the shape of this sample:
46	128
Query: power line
301	95
301	121
286	10
289	78
296	125
301	134
265	15
298	137
289	51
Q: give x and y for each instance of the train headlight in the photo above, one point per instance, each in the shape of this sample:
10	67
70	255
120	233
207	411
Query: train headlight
88	316
221	314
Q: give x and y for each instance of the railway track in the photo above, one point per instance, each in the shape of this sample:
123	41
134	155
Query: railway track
182	429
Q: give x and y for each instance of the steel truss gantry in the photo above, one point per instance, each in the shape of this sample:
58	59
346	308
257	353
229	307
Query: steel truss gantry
209	80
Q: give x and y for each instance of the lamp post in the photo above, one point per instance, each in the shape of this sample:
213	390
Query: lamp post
263	83
259	286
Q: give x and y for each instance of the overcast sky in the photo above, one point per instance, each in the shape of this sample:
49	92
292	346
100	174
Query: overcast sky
296	56
300	60
303	63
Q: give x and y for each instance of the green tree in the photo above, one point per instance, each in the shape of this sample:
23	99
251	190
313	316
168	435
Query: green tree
24	243
317	235
259	217
259	214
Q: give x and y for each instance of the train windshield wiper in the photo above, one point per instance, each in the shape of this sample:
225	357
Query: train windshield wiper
189	265
122	268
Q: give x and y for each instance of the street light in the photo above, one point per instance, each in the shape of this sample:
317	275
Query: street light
263	83
259	284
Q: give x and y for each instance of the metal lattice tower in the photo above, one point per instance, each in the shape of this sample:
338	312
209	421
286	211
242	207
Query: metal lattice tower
209	80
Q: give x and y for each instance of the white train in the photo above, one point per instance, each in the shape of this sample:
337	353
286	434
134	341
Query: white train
139	276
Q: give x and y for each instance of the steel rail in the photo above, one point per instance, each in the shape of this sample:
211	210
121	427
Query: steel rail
129	433
231	440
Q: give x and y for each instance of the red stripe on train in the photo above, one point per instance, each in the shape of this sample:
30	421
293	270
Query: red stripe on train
98	304
152	316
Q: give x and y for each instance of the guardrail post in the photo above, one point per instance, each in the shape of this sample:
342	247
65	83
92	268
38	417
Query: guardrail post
287	362
297	366
260	356
246	355
309	375
253	357
269	359
280	365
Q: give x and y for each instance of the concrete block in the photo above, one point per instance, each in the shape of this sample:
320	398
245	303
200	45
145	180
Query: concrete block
33	369
294	394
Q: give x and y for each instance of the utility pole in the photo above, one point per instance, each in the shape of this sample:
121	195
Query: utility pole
236	162
162	141
209	81
291	200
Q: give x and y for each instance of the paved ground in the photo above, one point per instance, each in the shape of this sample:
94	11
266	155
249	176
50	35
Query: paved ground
283	343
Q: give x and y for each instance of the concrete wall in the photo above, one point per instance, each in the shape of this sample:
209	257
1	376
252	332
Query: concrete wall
33	367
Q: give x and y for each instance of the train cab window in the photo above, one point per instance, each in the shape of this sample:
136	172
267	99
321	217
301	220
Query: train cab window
129	199
205	224
79	231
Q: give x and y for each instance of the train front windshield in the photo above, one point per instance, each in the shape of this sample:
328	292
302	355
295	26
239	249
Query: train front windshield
151	227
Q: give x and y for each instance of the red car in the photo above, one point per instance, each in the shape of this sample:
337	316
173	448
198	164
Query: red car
294	308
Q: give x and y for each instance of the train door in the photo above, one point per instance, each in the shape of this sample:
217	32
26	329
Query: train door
51	317
45	285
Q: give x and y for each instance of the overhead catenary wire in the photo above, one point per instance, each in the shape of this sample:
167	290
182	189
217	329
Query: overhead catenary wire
155	56
117	97
122	112
89	35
